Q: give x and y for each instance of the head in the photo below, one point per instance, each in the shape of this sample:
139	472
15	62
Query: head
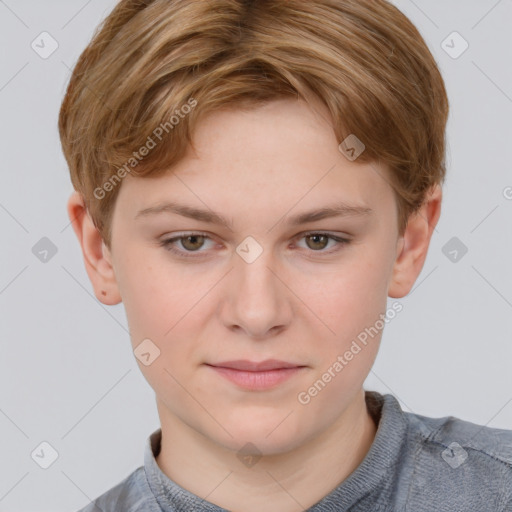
241	109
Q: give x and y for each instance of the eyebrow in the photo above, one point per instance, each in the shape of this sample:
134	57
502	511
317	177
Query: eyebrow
340	209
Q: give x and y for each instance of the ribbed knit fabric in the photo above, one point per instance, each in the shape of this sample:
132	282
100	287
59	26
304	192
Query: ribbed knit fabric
415	464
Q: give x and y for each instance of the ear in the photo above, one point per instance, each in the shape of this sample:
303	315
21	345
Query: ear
413	246
97	257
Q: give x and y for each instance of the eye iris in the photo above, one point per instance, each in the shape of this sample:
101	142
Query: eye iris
185	240
324	237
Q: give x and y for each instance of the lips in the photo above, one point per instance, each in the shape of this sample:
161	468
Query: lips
253	366
257	376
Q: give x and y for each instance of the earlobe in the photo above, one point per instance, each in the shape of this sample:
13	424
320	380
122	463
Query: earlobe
97	257
412	248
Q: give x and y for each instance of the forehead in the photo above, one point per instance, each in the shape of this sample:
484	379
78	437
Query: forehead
282	156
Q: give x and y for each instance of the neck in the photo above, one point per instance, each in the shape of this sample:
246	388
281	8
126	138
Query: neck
281	482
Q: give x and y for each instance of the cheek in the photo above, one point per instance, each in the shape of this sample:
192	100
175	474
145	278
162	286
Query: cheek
154	296
349	299
351	305
162	306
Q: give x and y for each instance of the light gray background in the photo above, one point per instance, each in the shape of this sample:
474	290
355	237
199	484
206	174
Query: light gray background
67	372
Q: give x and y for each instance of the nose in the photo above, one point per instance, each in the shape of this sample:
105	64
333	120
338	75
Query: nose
257	300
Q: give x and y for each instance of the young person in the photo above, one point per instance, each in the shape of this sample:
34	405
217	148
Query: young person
253	180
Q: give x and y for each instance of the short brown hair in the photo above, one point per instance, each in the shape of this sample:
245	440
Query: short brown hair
363	59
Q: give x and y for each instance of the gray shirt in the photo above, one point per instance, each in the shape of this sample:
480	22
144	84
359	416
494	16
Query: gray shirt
415	464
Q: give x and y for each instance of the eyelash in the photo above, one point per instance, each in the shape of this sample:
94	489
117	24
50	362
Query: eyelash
167	244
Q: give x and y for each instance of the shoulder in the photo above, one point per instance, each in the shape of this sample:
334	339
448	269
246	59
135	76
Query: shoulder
492	446
130	495
456	461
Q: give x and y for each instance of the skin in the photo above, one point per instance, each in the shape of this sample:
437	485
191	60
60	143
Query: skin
295	302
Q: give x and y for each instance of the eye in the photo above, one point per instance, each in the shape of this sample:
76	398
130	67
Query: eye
317	241
192	243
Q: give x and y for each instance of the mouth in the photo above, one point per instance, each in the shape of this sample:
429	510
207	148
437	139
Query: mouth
253	366
256	376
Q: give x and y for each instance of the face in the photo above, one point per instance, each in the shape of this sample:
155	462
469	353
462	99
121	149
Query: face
263	286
